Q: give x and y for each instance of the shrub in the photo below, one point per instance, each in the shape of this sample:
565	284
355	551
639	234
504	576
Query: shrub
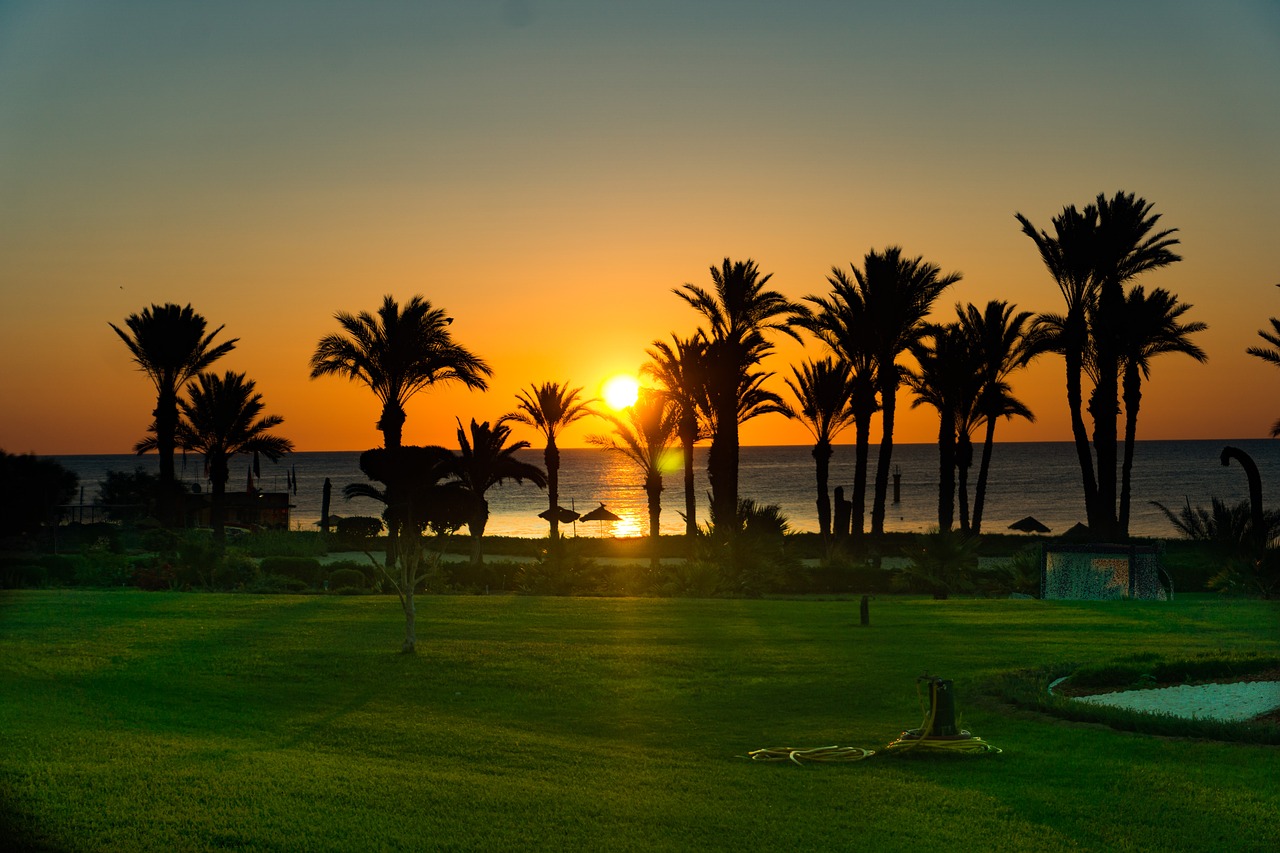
342	579
60	569
235	570
285	543
19	574
100	568
272	584
942	562
154	575
305	569
359	527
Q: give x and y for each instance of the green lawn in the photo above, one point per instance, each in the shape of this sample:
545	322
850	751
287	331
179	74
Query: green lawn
171	721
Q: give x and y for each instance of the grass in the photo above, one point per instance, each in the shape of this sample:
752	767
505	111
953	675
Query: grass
170	721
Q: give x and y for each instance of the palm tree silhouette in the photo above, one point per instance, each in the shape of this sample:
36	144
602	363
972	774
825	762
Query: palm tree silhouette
644	437
549	408
680	368
487	460
220	418
821	390
1003	343
898	293
398	353
1093	255
1271	355
1151	327
171	347
842	322
947	378
738	310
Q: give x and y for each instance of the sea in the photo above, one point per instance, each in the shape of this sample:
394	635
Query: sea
1040	479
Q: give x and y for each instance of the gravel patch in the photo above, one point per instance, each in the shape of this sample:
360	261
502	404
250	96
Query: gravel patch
1235	702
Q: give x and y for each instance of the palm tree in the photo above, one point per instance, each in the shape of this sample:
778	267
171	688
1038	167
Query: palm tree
842	322
1105	247
169	344
644	437
946	379
220	418
1003	342
487	460
738	310
898	294
1151	327
680	368
549	408
396	354
419	496
1271	355
822	390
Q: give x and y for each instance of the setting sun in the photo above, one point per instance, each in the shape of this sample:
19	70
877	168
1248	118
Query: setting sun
621	391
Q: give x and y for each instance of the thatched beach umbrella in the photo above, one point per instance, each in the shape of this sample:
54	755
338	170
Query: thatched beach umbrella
1030	524
601	514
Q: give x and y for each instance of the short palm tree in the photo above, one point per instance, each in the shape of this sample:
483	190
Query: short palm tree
397	353
680	369
822	390
1151	327
169	344
738	310
841	321
549	408
644	436
222	417
1003	342
485	460
898	293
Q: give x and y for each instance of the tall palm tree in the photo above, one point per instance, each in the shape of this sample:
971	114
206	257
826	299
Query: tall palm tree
1108	245
399	352
1271	355
644	437
549	408
739	310
1003	343
842	322
1151	327
485	460
221	418
946	379
680	369
170	345
898	293
821	390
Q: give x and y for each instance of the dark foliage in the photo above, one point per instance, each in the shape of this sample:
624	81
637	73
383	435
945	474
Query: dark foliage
31	491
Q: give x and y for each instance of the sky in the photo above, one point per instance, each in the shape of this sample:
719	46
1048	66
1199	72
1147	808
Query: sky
548	173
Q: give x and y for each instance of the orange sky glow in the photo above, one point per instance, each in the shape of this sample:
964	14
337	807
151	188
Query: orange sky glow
548	173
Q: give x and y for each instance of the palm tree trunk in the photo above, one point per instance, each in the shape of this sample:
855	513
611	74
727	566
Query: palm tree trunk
218	475
1075	402
722	468
687	439
391	425
861	457
946	471
653	489
409	580
166	417
551	457
964	459
1104	403
1132	401
984	466
822	453
888	401
477	525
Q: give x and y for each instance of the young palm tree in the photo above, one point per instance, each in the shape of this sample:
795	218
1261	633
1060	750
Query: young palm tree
842	322
1271	355
396	354
420	494
220	418
1151	327
170	345
487	460
1003	343
644	436
738	310
549	408
821	390
898	293
680	368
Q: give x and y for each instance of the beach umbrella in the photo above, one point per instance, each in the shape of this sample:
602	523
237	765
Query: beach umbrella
601	515
1030	524
564	516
